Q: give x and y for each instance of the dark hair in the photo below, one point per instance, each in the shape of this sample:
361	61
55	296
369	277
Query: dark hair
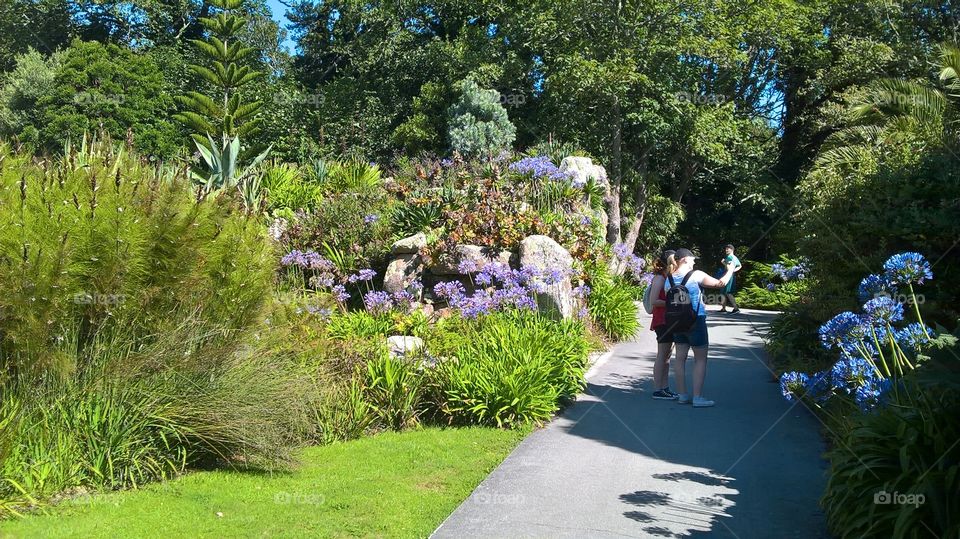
666	263
730	246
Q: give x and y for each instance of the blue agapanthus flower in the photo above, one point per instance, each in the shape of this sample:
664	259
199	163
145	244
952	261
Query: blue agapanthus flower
912	337
540	167
884	310
849	373
873	286
377	301
908	268
845	328
871	393
793	384
818	386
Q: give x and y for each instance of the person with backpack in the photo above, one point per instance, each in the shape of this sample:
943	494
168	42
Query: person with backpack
686	319
654	301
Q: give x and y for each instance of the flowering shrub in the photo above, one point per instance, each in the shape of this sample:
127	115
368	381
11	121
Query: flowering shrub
874	352
498	288
776	286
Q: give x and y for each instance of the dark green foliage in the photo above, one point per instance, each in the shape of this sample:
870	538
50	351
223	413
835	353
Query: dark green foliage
95	88
908	450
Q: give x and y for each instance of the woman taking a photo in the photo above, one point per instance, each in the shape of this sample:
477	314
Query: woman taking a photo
695	336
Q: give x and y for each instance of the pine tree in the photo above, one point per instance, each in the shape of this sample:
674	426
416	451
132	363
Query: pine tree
479	125
223	115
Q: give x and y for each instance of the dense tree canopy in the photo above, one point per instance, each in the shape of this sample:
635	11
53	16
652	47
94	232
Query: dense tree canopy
716	105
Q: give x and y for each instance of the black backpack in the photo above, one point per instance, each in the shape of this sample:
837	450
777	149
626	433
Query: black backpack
680	313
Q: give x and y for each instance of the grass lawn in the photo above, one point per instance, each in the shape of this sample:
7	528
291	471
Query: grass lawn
389	485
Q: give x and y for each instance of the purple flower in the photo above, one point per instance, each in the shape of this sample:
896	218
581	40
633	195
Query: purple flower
540	168
370	219
621	250
771	287
377	302
403	298
452	291
362	275
581	291
324	280
586	220
293	258
340	293
467	266
478	304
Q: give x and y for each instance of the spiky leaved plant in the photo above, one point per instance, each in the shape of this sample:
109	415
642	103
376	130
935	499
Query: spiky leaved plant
223	114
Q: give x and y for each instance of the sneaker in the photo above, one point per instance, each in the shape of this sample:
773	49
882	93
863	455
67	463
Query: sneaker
723	310
664	395
735	311
675	395
683	399
700	402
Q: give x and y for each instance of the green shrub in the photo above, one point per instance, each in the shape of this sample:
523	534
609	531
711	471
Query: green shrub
764	288
611	304
342	413
515	368
393	388
907	450
359	325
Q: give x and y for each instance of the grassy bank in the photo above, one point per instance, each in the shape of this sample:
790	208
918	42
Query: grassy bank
389	485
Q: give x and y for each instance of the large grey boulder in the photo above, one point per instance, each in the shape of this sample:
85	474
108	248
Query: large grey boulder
543	253
410	245
402	272
582	168
474	255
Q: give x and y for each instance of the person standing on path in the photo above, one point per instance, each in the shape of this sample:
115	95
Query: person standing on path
696	337
662	267
729	289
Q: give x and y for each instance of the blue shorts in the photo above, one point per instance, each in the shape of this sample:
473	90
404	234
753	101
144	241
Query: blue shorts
696	337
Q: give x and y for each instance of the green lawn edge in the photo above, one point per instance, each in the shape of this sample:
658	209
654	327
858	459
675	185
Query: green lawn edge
389	485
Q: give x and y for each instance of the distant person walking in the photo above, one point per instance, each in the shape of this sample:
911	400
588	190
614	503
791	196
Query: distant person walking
662	267
695	335
728	290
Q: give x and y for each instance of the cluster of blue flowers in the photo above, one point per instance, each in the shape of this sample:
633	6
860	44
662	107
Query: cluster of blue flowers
864	371
781	273
500	288
540	167
306	260
632	263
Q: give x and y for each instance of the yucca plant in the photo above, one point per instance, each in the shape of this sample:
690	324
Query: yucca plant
222	115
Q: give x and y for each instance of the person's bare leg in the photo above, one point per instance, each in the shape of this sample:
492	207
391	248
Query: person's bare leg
680	368
723	302
661	365
732	300
699	369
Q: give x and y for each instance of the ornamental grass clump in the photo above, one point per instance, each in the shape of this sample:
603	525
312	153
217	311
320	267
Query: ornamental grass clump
130	343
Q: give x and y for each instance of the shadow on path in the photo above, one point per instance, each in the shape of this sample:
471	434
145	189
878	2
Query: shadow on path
618	464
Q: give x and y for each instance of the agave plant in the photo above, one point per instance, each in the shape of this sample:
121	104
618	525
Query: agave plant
224	172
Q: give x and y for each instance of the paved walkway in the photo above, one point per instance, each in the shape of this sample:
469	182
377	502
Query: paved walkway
620	464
